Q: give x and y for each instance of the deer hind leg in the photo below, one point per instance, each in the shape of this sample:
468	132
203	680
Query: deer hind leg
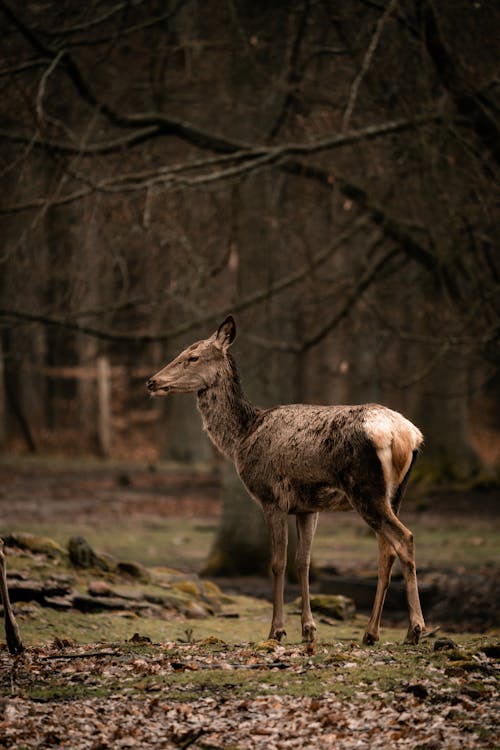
401	539
277	523
306	527
382	519
386	557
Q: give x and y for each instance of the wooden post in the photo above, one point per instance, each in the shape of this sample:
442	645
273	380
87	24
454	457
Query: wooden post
14	642
104	405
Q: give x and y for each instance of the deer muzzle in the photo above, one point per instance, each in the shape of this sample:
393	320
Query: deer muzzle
153	386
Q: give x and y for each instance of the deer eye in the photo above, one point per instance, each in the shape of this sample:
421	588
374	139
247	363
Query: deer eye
193	359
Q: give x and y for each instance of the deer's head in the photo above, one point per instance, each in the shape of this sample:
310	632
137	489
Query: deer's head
195	368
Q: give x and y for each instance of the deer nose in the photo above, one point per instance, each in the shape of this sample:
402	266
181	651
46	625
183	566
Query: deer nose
151	385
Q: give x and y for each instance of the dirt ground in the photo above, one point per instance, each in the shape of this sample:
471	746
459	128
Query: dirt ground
166	515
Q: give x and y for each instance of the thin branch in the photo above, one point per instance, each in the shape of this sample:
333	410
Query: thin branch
184	130
479	112
293	278
366	280
94	149
105	16
428	367
20	67
43	83
250	158
219	144
252	300
122	32
84	655
367	60
392	228
294	74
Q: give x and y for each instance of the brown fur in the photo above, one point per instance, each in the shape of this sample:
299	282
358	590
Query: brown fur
301	459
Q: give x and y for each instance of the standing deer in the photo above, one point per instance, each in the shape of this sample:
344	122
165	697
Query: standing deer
300	459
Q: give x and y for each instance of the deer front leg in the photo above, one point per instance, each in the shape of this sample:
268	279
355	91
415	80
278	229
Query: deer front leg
278	531
306	527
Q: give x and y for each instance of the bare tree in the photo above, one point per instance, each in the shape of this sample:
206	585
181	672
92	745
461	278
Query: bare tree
143	149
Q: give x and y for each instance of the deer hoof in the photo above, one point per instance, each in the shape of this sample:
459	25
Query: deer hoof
413	635
277	634
308	633
369	639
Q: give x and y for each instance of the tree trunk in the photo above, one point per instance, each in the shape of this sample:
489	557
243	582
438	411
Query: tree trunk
242	543
3	403
186	442
441	412
269	377
439	403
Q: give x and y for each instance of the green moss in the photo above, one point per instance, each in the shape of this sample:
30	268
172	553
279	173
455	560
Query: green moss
187	587
34	543
50	693
336	669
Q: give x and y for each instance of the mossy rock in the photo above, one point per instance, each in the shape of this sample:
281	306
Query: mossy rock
190	585
444	644
134	570
337	606
196	611
212	591
187	587
82	555
269	645
36	544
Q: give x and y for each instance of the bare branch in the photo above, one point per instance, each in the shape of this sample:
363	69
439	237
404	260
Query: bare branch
353	93
366	280
105	16
479	113
43	83
293	74
392	228
185	130
247	158
93	149
252	300
20	67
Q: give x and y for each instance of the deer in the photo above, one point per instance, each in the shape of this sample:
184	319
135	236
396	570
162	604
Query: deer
301	459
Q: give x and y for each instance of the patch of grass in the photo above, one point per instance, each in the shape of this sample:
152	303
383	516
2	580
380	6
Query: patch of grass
227	671
50	693
343	539
183	543
42	624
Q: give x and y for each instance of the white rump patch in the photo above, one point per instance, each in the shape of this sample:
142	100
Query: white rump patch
379	426
388	429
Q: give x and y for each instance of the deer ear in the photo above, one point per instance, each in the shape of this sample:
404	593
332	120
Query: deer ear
226	333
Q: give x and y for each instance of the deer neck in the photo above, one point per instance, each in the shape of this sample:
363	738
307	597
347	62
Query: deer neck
226	413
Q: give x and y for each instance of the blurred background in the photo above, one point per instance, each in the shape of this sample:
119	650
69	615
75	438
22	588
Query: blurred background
326	172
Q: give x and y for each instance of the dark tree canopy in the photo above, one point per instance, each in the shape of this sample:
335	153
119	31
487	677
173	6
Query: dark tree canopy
326	171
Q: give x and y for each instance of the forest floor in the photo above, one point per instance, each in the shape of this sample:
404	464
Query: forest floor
172	660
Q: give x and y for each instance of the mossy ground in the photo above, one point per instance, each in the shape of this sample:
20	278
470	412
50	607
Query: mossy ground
212	666
90	662
225	654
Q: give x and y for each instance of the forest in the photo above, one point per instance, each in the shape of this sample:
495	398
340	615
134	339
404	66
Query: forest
325	172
